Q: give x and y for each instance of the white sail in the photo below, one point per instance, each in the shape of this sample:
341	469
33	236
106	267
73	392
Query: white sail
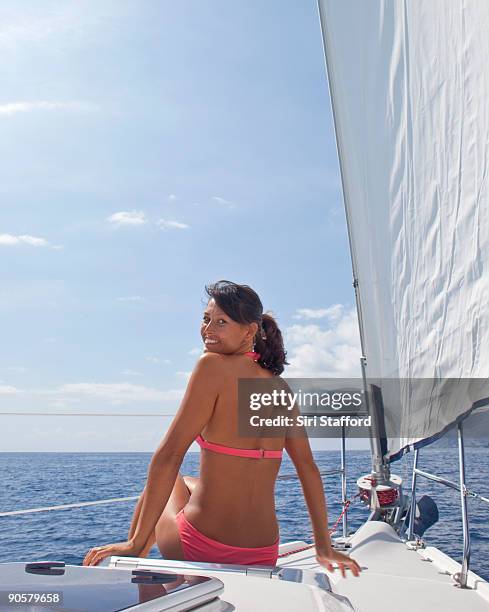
409	82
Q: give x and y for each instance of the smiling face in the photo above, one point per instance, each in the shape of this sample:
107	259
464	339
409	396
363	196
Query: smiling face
221	334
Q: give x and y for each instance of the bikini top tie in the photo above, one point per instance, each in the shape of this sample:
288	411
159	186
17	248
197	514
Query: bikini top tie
253	453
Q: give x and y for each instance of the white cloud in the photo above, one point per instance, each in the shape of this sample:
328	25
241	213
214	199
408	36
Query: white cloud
58	26
164	224
222	201
133	217
195	351
333	312
13	108
327	352
132	373
152	359
10	240
17	369
172	197
66	402
8	390
131	298
336	211
185	375
119	393
157	360
20	31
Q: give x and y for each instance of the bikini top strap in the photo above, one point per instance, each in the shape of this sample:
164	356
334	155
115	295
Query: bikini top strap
252	453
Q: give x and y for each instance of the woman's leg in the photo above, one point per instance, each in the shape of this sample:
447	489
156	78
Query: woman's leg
166	531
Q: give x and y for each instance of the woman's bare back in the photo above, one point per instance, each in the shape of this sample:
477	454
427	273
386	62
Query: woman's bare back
233	501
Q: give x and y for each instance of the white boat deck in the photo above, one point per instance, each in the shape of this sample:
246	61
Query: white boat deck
395	577
252	589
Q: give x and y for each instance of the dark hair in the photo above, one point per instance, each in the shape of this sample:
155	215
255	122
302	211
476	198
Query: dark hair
243	305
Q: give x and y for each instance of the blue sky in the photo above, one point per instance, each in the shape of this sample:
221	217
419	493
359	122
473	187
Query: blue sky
149	148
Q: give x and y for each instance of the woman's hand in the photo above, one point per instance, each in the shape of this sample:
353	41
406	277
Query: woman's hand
122	549
328	557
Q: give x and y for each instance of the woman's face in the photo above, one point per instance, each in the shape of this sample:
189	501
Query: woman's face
221	334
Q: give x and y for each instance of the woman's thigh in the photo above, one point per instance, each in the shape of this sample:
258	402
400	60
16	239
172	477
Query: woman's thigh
166	530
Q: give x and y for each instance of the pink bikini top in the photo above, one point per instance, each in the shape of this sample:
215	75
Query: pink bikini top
253	453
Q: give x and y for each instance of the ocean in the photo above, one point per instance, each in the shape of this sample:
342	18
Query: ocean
31	480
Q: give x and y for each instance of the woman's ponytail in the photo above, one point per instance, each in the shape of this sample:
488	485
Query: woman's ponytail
269	343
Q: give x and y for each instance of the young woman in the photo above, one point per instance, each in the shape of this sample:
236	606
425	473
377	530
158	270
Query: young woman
227	515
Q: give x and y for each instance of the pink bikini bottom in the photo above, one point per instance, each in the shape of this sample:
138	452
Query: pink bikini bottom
198	547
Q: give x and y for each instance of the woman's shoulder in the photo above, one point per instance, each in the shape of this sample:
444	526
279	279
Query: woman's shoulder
219	358
211	362
215	369
208	371
219	363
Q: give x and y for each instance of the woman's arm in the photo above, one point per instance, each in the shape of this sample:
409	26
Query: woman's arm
134	523
194	413
135	516
299	450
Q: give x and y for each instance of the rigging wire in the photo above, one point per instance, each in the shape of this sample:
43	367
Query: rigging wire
96	414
